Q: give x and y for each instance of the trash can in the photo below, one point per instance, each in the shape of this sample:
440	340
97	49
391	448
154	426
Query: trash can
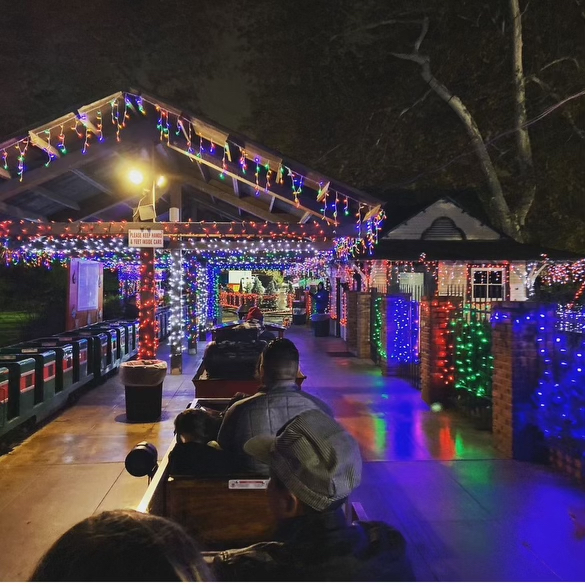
320	322
299	313
143	382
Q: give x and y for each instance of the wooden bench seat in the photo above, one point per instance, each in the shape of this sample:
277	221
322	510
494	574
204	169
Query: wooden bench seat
217	516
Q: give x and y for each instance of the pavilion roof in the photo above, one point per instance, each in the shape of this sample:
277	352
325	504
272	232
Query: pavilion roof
74	168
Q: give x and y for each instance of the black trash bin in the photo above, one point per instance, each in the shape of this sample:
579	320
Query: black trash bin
299	313
143	382
320	323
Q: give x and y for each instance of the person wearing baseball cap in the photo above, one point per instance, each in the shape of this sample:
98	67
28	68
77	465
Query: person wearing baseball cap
314	466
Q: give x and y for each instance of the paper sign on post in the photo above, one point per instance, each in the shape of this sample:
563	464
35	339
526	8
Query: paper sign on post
145	239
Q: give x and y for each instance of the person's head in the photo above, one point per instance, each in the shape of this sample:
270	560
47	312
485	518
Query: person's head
279	362
123	546
320	286
314	465
255	313
193	425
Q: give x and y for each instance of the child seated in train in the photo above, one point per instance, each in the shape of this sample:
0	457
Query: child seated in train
196	454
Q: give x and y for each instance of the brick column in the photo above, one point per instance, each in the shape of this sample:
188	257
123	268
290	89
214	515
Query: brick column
358	323
435	354
516	372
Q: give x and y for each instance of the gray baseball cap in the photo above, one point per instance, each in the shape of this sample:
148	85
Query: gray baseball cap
313	456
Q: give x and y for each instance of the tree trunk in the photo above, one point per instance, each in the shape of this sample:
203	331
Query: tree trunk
528	186
495	203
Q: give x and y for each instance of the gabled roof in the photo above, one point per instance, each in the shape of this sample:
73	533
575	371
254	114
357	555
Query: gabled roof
457	224
75	168
466	250
405	205
410	231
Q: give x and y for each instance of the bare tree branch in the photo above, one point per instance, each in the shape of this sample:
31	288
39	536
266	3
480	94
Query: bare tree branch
423	34
496	201
419	101
560	60
566	113
374	25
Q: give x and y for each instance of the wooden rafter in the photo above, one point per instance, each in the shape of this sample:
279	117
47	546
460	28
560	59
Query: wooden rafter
20	213
231	199
91	181
57	198
250	183
214	207
43	175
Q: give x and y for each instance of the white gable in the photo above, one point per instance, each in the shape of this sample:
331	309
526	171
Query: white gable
414	228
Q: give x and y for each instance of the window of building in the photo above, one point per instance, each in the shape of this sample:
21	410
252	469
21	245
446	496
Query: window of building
488	284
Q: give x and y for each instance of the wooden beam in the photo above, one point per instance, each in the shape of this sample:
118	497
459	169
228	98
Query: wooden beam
52	196
99	186
237	187
5	173
270	192
43	174
42	144
20	213
204	171
251	229
232	199
99	209
217	207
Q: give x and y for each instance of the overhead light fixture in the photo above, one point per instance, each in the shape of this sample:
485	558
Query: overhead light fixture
136	177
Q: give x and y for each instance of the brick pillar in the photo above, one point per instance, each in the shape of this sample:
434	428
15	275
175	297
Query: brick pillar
516	372
435	352
358	323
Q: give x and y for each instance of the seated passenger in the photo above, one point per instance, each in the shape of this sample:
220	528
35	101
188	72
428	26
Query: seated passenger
278	400
193	455
255	318
123	546
314	465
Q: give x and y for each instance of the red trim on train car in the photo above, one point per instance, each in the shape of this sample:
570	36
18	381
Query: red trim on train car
27	377
49	371
4	392
67	364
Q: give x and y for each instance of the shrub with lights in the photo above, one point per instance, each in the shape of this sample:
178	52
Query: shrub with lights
474	362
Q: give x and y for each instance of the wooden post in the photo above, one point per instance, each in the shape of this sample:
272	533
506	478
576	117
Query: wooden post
148	342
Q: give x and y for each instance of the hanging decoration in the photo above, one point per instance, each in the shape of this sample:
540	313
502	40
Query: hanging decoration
22	147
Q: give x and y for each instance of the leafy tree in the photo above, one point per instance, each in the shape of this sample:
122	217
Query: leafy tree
448	94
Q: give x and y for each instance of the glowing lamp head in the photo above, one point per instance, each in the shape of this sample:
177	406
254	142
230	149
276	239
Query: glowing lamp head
161	181
136	177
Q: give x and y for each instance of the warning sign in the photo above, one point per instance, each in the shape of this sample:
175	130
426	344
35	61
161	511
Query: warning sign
145	239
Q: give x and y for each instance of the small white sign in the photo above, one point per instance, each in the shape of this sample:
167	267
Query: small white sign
145	239
259	484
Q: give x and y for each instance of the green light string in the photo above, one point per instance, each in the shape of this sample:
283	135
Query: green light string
474	362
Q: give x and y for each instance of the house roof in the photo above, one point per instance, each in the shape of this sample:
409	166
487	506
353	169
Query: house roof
76	166
466	250
402	205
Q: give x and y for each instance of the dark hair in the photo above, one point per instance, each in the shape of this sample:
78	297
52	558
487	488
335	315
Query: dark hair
280	360
197	423
124	546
